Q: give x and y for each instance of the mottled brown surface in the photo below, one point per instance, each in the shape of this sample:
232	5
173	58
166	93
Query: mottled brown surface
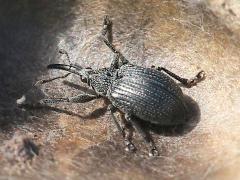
79	141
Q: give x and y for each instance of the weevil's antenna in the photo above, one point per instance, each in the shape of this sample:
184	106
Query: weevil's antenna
62	51
43	81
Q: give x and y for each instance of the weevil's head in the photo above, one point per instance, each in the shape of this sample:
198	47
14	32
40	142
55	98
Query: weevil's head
99	80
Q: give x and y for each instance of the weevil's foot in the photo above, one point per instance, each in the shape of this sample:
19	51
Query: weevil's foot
40	82
201	75
153	152
130	147
107	22
127	131
198	78
24	104
62	51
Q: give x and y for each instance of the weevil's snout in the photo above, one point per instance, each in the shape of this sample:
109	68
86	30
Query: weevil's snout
64	66
58	66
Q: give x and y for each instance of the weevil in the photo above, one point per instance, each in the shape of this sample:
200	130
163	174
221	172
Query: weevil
138	93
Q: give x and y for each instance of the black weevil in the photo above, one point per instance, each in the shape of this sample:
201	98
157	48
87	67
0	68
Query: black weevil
137	92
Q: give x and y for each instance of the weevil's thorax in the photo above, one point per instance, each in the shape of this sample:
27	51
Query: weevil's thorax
101	80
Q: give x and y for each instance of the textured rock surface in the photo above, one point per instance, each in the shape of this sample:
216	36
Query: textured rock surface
79	140
228	11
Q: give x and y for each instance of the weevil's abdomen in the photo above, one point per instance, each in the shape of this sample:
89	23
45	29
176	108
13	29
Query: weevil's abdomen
148	94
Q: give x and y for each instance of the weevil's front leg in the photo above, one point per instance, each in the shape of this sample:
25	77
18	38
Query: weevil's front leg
152	148
115	62
43	81
121	57
82	98
106	37
107	29
186	82
127	139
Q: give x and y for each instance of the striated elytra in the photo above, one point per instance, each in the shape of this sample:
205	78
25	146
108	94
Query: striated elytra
138	93
149	95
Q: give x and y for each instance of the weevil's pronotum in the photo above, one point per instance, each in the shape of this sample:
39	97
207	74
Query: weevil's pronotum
139	93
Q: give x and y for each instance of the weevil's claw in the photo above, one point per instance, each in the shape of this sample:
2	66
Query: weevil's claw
130	147
201	76
198	78
153	152
62	51
107	21
40	82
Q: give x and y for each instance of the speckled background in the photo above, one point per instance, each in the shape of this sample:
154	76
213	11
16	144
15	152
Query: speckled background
79	141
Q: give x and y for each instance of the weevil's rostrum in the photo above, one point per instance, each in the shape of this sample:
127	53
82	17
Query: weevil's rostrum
141	94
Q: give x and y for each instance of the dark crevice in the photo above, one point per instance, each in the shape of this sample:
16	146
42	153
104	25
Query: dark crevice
28	39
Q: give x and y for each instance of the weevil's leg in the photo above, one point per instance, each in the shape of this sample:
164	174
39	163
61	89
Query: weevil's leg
82	98
127	140
153	149
43	81
115	62
186	82
110	45
127	127
106	37
107	29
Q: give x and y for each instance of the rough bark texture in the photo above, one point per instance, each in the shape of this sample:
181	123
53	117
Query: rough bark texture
79	141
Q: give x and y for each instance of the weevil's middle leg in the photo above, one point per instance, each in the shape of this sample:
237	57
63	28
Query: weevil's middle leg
127	139
152	147
186	82
126	126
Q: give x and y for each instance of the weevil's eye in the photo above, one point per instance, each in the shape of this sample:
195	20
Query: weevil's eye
109	74
84	80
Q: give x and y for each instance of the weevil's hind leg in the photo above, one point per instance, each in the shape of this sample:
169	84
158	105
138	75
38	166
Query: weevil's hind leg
126	126
152	147
186	82
82	98
127	139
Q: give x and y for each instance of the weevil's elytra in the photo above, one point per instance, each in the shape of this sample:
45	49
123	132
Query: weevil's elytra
139	93
143	86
